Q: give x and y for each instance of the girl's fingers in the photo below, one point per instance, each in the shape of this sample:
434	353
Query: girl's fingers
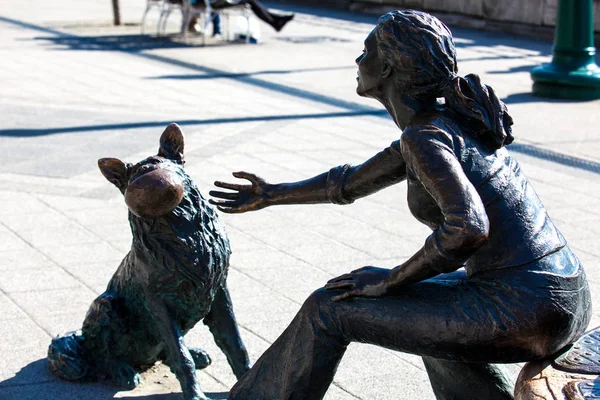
341	278
224	203
339	285
224	195
345	295
229	210
231	186
247	175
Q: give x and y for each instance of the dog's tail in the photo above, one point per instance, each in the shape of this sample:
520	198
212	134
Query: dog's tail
65	357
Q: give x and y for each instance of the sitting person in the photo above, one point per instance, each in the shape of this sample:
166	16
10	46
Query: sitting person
215	18
495	282
277	21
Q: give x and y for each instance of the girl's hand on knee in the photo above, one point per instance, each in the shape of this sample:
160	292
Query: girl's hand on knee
363	282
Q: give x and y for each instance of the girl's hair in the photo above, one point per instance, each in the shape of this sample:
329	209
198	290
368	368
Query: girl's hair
420	48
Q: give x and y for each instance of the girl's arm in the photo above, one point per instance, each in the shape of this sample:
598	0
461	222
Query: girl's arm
340	185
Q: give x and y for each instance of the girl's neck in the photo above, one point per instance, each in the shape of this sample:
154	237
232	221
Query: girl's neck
403	108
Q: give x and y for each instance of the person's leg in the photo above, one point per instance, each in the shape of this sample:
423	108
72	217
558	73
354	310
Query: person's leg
455	380
216	21
301	363
449	317
276	21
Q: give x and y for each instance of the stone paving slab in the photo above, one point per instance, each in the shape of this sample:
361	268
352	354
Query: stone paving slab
75	89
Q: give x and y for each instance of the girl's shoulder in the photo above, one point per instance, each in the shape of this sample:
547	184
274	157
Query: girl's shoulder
429	129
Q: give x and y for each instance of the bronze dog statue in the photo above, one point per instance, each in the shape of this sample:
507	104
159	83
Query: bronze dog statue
173	277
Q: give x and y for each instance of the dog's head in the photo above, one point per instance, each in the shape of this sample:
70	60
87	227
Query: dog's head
154	186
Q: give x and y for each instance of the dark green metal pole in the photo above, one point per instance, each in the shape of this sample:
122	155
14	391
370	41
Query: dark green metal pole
573	73
116	12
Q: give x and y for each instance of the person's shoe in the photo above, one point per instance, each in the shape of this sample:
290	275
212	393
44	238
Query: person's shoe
194	27
281	20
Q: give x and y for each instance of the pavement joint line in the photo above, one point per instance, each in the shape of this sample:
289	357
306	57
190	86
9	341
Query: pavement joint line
215	378
12	177
209	150
531	150
264	243
52	260
294	92
345	390
262	284
83	227
267	341
44	290
264	84
375	228
8	296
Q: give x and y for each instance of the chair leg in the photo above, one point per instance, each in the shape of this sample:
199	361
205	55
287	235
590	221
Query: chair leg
164	22
207	21
246	13
186	22
227	26
248	31
159	23
144	17
183	17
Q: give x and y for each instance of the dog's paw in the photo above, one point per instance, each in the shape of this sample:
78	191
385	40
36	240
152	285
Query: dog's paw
201	358
127	377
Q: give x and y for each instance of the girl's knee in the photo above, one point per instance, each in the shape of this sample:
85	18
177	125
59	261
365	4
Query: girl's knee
316	302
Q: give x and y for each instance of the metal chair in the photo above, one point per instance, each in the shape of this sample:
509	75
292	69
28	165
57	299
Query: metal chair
204	9
151	4
168	7
165	7
245	11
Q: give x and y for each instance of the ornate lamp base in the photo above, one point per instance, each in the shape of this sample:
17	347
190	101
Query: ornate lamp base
550	80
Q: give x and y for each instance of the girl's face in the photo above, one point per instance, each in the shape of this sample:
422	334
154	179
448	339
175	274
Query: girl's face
369	68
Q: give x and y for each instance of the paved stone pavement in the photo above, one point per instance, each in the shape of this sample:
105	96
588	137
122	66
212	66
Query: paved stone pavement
74	89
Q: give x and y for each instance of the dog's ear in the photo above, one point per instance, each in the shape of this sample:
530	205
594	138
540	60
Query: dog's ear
171	143
115	171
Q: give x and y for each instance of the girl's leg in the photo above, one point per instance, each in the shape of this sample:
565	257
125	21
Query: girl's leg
449	317
300	364
455	380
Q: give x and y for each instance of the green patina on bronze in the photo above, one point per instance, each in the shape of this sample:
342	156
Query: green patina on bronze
173	277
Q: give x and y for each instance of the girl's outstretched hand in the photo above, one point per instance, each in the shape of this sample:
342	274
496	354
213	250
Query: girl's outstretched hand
363	282
242	198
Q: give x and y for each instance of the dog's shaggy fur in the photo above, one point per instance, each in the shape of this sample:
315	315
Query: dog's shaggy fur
173	277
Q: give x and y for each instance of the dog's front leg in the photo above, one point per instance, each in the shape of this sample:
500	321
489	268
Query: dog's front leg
221	322
178	356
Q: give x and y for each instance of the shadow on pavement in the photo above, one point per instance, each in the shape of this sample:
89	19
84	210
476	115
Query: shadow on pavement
521	68
34	381
246	74
161	124
128	43
526	97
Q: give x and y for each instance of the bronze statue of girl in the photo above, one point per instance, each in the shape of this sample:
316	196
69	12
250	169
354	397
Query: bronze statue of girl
494	282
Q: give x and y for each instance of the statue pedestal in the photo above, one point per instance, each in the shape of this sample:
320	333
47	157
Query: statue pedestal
571	376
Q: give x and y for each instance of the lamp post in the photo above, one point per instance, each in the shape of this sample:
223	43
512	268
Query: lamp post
116	12
573	73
